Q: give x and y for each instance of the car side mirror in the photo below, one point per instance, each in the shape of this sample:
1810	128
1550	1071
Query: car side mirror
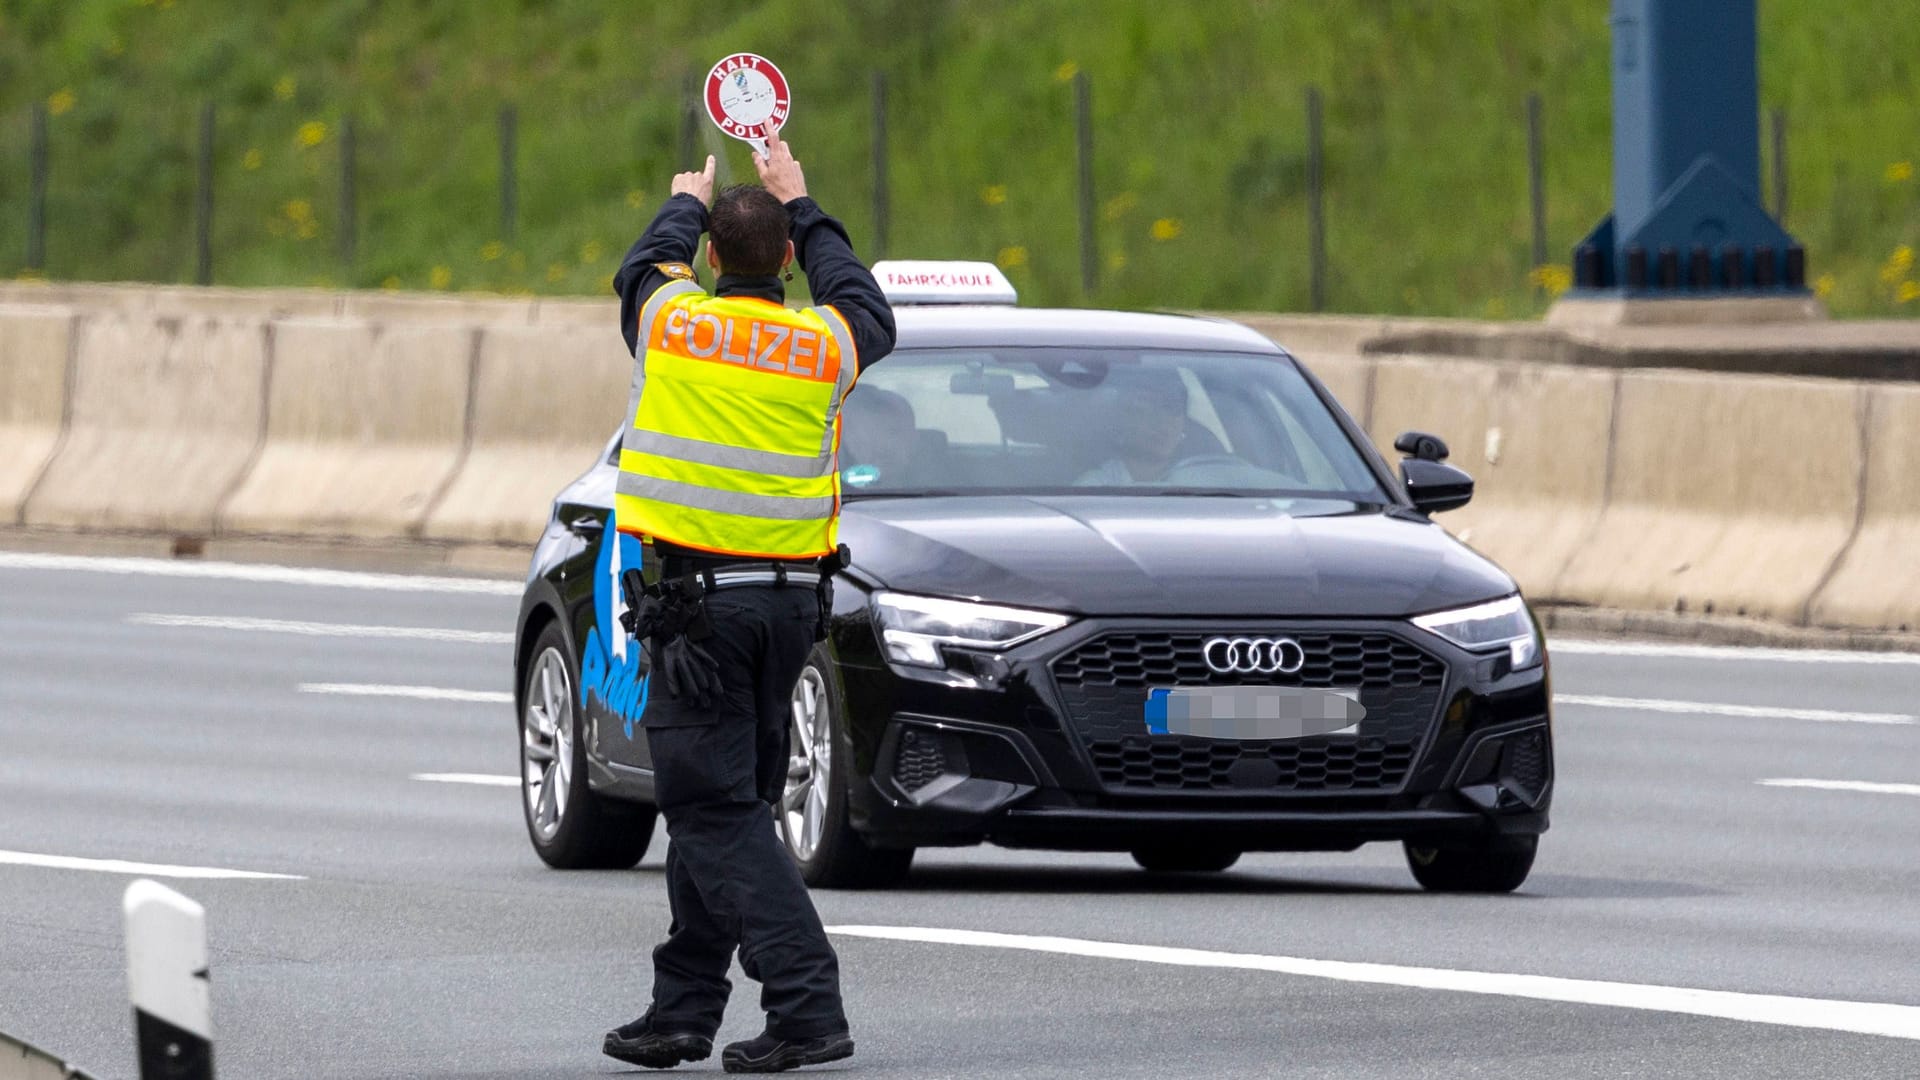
1435	486
1419	444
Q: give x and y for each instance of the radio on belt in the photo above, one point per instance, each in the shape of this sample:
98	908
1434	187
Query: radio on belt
933	281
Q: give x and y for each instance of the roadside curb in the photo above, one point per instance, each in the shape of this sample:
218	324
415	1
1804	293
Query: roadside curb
503	562
1575	621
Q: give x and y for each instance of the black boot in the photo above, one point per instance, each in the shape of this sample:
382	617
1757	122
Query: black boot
640	1043
768	1052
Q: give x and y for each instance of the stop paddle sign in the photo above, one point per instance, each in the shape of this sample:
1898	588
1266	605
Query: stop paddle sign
747	97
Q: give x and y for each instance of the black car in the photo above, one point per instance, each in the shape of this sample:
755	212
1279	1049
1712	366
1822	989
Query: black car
1120	582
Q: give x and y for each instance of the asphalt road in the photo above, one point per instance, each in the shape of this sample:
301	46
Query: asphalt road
422	937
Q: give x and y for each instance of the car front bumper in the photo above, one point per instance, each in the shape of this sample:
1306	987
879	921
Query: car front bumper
1003	752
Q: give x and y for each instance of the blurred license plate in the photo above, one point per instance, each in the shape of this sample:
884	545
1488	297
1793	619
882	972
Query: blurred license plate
1253	712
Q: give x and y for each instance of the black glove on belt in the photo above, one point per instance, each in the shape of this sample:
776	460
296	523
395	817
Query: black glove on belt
670	616
691	672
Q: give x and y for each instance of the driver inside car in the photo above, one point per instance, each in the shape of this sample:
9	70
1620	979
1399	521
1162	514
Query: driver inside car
1146	413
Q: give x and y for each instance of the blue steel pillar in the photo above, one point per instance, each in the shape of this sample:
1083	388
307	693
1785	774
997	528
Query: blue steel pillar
1687	217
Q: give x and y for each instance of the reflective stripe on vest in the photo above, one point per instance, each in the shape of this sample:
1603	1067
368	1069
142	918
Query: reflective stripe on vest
733	425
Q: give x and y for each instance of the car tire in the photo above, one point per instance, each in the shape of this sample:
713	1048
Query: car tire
1496	866
812	815
1184	859
571	827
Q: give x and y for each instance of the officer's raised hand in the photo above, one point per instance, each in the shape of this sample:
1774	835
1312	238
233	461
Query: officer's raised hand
779	173
697	184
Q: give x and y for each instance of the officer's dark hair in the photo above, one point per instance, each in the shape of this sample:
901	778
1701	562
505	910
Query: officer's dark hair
748	229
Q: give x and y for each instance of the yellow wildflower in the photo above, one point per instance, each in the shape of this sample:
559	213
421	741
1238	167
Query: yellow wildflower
297	210
1117	261
284	88
556	272
636	199
1909	292
492	250
252	159
993	194
1897	265
590	252
391	283
1554	280
1166	228
1823	286
1065	72
1899	172
61	102
440	277
1119	205
307	229
1011	258
311	134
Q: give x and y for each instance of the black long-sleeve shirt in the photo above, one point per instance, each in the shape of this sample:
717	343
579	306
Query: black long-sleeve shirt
835	274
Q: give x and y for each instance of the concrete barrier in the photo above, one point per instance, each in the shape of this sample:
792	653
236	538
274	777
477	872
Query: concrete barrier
1348	377
35	354
457	419
1729	495
1535	440
545	400
399	307
603	313
1877	583
175	300
364	428
165	416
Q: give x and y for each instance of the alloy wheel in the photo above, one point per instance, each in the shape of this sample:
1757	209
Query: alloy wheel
803	806
546	745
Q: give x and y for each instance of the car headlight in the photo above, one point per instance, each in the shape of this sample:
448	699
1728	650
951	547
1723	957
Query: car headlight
1497	624
914	628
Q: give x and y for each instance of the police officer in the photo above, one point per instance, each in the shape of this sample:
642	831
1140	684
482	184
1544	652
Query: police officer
728	470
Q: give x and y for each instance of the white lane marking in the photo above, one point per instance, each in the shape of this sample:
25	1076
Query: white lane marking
1845	785
1678	651
1709	708
315	629
484	779
425	693
121	866
1863	1017
259	572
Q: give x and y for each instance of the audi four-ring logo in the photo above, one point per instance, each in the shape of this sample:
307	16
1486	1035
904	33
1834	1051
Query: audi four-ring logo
1254	655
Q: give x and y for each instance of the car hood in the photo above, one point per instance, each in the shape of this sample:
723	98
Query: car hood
1168	555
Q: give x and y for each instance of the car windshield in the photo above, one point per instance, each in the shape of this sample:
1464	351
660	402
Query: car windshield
1065	420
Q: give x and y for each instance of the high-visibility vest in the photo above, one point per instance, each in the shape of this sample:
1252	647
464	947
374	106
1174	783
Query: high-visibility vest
733	425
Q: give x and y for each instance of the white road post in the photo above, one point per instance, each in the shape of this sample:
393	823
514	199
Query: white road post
167	975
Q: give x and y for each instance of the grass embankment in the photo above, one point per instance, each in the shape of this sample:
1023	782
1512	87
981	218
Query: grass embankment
1197	107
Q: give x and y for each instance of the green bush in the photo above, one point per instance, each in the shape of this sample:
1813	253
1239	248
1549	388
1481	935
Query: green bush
1198	115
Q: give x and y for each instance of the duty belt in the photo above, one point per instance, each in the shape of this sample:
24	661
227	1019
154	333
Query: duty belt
805	578
806	575
685	590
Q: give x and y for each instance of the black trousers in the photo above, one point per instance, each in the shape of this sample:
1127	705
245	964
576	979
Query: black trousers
730	881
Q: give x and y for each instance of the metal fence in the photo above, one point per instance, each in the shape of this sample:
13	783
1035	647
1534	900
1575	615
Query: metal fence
193	159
